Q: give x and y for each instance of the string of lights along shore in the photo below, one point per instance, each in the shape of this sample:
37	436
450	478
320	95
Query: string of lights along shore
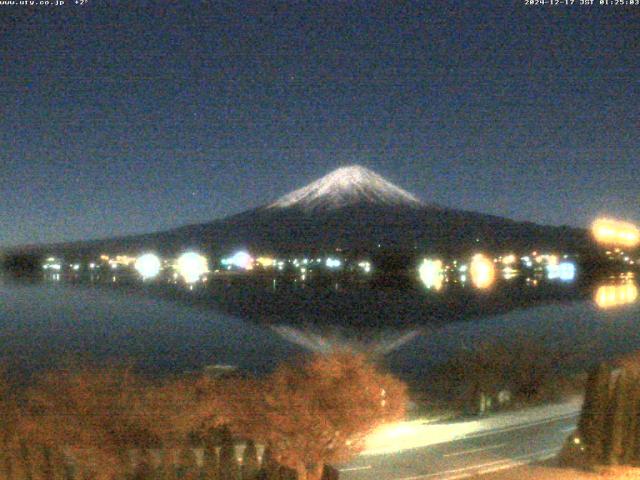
479	271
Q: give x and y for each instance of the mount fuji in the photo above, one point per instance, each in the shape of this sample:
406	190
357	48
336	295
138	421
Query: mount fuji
347	186
355	209
351	209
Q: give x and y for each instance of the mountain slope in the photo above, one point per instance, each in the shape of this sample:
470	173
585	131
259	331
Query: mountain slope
351	208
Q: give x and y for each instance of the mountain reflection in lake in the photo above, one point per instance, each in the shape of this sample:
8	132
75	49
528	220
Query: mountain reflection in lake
41	324
325	340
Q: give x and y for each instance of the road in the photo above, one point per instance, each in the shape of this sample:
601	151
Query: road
416	451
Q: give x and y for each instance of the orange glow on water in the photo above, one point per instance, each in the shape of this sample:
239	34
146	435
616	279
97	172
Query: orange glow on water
611	296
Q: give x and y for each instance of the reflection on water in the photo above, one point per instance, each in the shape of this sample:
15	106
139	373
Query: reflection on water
41	324
325	341
612	295
509	273
585	333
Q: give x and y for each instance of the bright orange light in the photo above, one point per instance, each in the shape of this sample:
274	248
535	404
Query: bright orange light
431	274
266	261
483	272
614	232
509	259
610	296
121	260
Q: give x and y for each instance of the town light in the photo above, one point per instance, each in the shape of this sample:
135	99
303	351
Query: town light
482	271
565	271
613	232
333	262
191	266
240	259
431	275
509	259
365	266
266	262
52	264
148	265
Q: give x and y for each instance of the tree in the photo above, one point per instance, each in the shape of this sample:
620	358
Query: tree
96	414
330	473
185	465
210	458
26	459
144	469
11	419
527	367
250	464
228	469
269	468
174	407
617	418
631	432
210	463
316	413
594	411
609	424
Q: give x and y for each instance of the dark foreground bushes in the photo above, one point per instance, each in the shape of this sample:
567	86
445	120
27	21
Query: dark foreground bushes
110	424
207	462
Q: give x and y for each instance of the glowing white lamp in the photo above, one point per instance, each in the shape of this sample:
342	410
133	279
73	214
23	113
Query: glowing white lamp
333	262
242	260
565	271
191	266
431	274
148	265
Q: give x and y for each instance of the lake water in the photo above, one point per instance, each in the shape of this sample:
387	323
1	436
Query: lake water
42	324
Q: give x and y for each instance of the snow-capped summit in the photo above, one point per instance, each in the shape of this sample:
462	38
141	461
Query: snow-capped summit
347	186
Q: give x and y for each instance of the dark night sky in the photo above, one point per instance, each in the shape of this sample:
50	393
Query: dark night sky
116	120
